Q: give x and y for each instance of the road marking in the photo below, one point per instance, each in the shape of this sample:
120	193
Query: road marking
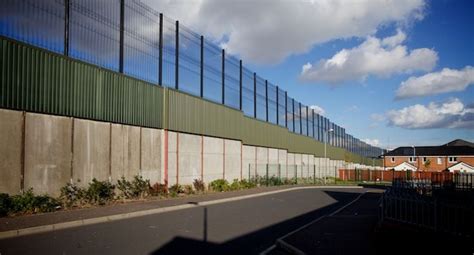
295	250
115	217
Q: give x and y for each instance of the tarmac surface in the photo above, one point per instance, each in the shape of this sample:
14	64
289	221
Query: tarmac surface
247	226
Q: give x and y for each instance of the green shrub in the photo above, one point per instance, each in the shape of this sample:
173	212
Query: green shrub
245	184
199	185
100	192
29	203
176	190
134	189
235	185
219	185
188	189
158	189
5	204
72	195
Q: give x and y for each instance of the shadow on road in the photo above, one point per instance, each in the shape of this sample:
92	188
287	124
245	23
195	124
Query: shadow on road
252	243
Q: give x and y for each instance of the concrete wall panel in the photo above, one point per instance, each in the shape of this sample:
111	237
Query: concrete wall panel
125	156
248	161
232	159
151	154
262	161
213	159
172	158
282	159
47	153
91	147
11	143
189	158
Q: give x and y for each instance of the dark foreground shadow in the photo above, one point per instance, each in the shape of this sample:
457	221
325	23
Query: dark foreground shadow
254	242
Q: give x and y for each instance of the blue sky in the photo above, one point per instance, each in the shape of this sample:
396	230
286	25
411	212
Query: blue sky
391	72
277	38
447	28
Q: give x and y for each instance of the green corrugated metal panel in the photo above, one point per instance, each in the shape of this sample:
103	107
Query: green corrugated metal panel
35	80
190	114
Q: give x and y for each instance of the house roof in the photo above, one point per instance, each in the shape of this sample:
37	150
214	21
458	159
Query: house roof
459	142
405	166
454	148
461	165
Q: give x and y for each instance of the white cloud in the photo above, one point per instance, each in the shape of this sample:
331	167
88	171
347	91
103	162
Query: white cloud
450	114
373	142
318	109
447	80
378	57
268	31
377	117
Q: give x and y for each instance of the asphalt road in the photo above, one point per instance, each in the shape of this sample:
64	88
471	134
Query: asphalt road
246	226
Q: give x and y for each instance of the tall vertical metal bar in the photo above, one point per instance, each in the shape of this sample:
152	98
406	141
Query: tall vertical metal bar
312	119
66	27
266	100
286	109
122	28
223	76
176	73
160	52
255	95
307	121
301	121
202	68
293	113
240	84
277	106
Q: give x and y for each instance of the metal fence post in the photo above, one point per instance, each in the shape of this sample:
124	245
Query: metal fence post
160	52
266	100
255	95
266	175
66	26
201	89
122	28
240	84
176	74
249	171
223	76
314	174
279	173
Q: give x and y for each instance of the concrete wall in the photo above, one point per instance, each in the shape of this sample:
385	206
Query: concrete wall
48	145
150	153
213	155
11	147
282	160
291	165
233	160
125	154
172	158
58	150
262	160
189	158
91	151
248	161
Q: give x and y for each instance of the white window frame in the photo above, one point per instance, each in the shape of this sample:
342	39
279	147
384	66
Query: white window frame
412	159
439	160
392	159
452	159
424	159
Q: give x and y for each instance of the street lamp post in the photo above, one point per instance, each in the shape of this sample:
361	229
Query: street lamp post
325	142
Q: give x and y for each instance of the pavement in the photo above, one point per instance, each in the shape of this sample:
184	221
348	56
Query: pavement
235	225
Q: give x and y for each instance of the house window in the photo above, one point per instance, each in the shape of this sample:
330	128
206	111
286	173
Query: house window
439	161
452	159
412	159
424	159
392	159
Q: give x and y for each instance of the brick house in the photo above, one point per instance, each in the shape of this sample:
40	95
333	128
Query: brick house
431	158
